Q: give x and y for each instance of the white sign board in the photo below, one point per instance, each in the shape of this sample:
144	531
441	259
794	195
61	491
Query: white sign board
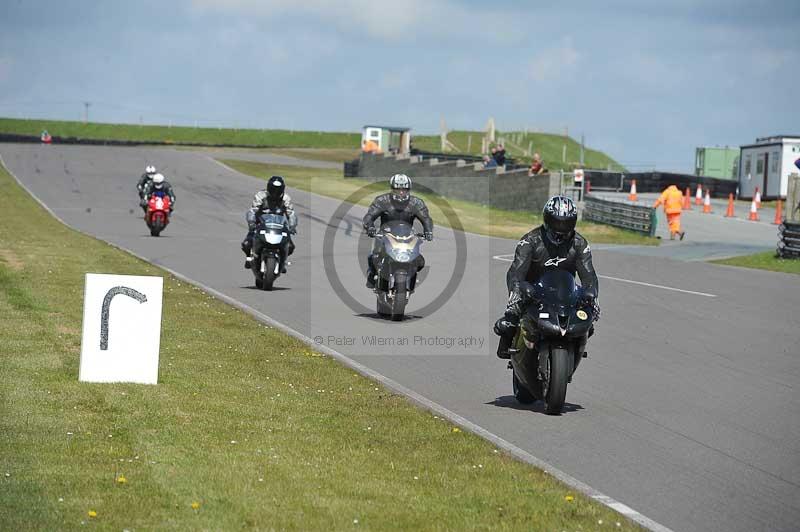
121	328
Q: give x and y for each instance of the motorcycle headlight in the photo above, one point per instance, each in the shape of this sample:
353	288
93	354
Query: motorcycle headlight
401	255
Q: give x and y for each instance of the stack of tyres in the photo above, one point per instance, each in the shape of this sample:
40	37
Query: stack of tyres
789	240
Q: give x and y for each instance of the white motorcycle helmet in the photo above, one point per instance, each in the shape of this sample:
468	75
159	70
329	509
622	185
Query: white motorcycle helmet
158	181
150	170
401	188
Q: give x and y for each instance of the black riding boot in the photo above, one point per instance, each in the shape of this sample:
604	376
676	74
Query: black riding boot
370	273
247	246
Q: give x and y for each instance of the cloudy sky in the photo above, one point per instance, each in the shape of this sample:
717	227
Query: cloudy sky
645	81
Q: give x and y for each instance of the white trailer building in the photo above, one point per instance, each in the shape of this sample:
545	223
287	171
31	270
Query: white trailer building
767	165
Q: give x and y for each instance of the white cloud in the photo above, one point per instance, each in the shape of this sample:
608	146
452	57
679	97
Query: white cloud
552	64
399	20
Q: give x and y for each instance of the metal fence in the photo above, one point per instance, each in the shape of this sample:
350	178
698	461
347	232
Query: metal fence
622	214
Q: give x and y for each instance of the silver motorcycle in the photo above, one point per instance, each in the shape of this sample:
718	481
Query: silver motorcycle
397	259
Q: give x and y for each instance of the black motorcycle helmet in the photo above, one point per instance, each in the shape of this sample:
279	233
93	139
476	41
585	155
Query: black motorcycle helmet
560	217
275	190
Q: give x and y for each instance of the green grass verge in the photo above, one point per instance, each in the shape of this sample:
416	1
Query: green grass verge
549	146
474	218
277	138
763	261
247	425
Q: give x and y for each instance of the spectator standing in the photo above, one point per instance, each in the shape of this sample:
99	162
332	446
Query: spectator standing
500	155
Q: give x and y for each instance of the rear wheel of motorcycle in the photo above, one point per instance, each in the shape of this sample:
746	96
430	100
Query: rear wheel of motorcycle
521	394
269	274
400	297
557	381
259	283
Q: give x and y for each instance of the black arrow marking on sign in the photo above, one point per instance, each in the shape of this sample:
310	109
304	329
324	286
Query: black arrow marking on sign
104	312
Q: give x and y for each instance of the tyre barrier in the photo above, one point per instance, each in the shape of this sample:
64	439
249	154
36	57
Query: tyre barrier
638	218
789	240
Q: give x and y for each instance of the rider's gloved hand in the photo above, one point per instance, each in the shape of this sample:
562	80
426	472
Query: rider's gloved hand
429	235
505	325
371	231
590	301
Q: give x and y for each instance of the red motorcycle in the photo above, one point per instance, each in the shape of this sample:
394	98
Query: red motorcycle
158	211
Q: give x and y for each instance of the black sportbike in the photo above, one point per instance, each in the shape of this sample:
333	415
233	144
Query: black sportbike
551	340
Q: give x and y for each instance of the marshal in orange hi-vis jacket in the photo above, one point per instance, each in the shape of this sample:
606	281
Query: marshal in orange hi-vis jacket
672	199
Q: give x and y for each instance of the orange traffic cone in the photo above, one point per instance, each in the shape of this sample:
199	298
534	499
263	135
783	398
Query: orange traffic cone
778	214
758	198
698	196
632	196
687	201
707	203
729	213
753	211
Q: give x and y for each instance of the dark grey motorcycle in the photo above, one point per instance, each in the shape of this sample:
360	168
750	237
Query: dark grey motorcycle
551	341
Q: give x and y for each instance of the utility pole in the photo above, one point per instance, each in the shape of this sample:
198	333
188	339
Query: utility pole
86	112
582	145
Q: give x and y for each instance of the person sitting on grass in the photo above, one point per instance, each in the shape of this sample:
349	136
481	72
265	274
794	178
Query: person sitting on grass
489	162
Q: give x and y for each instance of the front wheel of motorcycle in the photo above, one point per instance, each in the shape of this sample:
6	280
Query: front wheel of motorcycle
557	381
400	297
269	272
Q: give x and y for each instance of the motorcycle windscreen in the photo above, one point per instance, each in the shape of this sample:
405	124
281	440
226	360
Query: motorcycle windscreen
272	220
557	288
399	230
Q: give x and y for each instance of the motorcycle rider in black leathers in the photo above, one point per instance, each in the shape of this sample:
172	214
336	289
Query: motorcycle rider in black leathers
147	177
554	244
398	204
272	197
158	185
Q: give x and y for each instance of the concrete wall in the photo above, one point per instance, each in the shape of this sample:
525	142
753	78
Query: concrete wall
491	187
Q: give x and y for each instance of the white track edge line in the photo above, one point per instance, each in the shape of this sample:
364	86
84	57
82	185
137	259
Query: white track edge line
420	400
704	294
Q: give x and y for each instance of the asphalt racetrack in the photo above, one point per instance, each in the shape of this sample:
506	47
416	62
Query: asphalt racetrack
686	410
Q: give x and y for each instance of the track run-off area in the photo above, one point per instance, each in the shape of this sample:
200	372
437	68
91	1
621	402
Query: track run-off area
686	410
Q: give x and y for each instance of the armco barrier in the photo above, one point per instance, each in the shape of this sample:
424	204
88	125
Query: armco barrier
789	240
622	214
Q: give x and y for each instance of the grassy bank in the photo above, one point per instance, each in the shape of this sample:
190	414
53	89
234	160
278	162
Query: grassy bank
337	146
474	218
247	427
549	146
277	138
763	261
